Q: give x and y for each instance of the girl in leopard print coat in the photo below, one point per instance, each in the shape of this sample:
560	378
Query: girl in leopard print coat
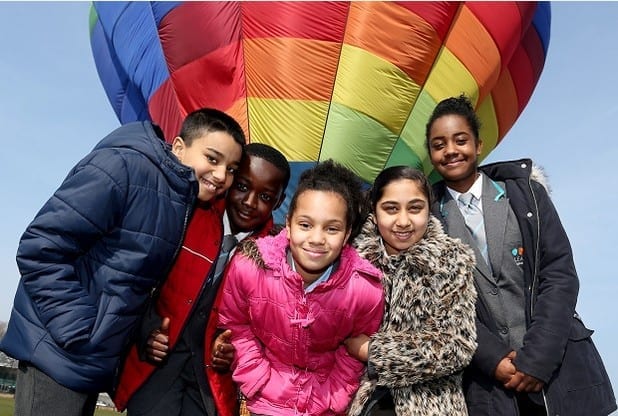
428	334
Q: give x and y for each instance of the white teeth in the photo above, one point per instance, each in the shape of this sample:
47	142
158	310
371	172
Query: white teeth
209	185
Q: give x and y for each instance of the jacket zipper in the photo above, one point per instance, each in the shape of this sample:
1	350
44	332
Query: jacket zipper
535	271
188	211
155	288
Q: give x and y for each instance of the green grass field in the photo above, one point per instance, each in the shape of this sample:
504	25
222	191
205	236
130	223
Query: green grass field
6	408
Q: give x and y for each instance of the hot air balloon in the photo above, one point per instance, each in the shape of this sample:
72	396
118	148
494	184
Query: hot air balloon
352	81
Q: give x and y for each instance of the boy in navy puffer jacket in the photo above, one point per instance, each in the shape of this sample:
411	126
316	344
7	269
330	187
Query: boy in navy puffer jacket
98	247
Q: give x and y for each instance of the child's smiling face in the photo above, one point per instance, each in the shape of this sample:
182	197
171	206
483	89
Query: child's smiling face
317	230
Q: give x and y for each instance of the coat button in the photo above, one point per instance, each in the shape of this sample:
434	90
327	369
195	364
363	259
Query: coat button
524	165
504	330
494	291
529	215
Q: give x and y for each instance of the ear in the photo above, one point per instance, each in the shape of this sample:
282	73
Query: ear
178	147
287	226
347	236
479	147
280	201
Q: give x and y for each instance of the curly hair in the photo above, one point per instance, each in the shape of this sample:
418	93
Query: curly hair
331	176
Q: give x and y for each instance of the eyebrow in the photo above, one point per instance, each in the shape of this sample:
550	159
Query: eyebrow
411	201
215	151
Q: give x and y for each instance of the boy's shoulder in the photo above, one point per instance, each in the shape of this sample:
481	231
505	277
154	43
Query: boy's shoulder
137	138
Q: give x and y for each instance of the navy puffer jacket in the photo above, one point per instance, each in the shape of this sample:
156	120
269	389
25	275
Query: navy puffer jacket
93	253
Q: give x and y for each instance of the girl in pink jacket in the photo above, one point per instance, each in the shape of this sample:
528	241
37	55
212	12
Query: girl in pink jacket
292	299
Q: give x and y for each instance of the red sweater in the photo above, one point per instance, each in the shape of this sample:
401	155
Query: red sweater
179	292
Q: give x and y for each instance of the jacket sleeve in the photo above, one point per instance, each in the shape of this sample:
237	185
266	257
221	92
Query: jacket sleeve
89	202
556	295
491	350
344	377
444	346
250	366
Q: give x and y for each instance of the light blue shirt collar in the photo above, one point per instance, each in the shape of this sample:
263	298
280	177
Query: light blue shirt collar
476	190
323	278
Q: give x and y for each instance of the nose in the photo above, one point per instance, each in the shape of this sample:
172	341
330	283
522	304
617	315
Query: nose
403	220
250	200
450	147
316	236
220	173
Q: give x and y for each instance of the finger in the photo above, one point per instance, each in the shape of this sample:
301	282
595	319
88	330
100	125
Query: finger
162	348
165	325
226	335
161	339
226	349
221	365
533	387
514	381
526	385
154	356
221	361
160	342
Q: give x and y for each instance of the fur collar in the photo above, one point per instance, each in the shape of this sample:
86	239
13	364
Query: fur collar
424	256
269	251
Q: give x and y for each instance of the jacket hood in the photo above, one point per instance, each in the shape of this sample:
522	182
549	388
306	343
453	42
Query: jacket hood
147	139
512	169
266	253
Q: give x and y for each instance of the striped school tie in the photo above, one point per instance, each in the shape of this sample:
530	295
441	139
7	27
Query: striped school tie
228	243
475	223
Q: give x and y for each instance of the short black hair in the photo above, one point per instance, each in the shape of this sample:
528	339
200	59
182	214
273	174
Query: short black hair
271	155
460	106
331	176
207	120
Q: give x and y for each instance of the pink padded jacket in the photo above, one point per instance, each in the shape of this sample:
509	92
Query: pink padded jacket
289	353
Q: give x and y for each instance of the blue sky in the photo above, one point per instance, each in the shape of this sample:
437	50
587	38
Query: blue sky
53	110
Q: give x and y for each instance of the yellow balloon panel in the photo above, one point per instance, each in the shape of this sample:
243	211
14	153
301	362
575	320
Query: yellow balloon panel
365	82
292	126
449	78
470	42
489	126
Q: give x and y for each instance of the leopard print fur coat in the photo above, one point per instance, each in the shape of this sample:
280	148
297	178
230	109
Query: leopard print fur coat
428	334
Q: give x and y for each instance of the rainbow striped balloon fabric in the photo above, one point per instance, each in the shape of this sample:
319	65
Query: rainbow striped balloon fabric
352	81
